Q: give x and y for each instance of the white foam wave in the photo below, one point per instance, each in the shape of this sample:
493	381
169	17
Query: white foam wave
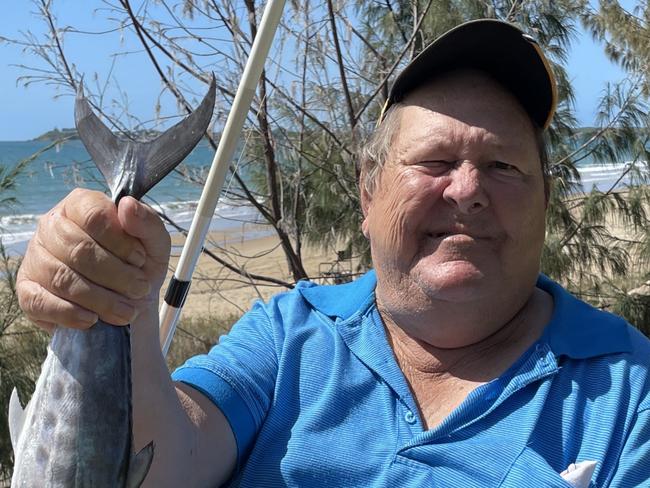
19	228
605	175
12	238
18	220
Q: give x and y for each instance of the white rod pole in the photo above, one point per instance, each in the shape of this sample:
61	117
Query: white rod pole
169	313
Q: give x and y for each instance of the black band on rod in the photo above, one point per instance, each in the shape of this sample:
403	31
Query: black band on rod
177	292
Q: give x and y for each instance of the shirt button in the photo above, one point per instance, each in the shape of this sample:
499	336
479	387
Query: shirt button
410	417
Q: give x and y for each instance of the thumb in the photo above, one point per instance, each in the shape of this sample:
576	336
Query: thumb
142	222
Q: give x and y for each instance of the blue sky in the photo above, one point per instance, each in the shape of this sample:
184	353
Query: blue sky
27	112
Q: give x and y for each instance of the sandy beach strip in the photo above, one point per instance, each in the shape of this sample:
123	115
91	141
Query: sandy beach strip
218	292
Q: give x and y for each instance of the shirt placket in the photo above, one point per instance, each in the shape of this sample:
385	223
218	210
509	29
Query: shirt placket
365	336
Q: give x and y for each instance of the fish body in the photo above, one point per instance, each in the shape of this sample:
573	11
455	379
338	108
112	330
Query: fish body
79	418
77	429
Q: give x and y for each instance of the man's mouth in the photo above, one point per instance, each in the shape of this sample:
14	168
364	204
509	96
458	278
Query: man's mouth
453	233
438	235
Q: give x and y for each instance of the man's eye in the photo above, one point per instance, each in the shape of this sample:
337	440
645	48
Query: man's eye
500	165
438	163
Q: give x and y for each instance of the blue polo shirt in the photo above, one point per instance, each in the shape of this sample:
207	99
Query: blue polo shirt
315	397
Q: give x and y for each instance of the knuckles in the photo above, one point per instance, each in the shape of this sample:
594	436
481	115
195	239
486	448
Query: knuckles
81	194
63	280
31	303
93	210
83	250
96	220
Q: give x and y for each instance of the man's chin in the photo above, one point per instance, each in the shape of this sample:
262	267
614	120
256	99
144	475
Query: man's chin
456	281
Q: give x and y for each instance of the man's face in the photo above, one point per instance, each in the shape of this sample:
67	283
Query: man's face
457	214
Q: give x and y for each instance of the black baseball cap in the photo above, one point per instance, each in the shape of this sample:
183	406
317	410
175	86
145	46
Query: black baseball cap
498	48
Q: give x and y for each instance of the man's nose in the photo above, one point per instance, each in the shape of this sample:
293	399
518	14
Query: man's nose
465	189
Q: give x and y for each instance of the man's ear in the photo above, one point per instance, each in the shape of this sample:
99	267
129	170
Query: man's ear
366	201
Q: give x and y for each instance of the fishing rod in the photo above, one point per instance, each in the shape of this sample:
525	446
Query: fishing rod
180	282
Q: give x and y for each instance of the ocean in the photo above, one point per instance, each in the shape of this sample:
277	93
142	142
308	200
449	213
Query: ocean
54	173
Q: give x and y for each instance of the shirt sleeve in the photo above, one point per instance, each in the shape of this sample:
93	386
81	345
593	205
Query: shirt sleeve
634	464
238	375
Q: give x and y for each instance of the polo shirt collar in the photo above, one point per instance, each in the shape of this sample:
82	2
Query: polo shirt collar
341	301
576	329
579	330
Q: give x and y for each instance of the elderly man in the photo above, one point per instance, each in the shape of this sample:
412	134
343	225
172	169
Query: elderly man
454	363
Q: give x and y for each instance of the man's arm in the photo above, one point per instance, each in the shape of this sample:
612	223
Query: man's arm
89	260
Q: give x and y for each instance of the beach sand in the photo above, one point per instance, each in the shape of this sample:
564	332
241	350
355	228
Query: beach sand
219	292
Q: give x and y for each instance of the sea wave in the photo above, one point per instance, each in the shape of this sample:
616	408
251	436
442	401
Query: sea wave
609	175
18	220
17	229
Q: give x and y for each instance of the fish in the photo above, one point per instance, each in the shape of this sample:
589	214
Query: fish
76	431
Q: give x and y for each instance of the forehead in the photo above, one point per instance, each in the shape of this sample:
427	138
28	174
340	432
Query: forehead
466	107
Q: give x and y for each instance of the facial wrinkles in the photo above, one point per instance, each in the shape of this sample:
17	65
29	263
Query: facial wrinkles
479	146
467	142
400	197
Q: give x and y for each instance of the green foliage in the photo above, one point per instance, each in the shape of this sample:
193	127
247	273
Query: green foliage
58	134
623	29
196	335
8	182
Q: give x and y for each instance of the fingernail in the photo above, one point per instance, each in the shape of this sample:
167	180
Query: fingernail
124	310
139	288
137	211
137	258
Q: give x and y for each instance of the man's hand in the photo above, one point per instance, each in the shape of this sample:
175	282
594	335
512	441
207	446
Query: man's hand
89	260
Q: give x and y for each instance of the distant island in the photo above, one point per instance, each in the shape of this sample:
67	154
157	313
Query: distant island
56	134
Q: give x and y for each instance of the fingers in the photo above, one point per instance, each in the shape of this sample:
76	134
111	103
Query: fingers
59	294
87	262
48	327
47	310
142	222
95	213
68	243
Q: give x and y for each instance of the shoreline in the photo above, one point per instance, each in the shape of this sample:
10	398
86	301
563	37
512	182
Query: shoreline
216	290
250	246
